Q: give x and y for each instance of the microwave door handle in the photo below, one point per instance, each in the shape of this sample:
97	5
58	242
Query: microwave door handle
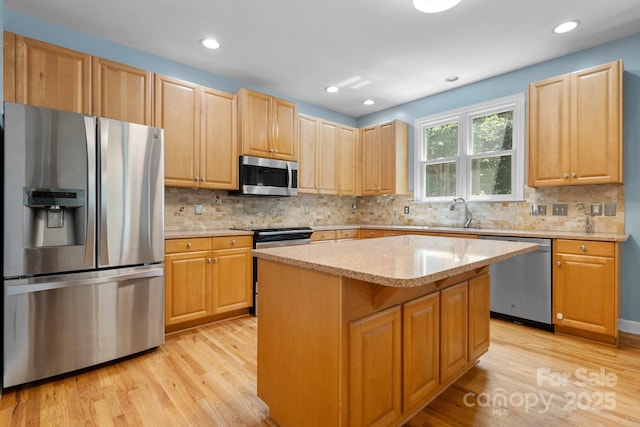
289	178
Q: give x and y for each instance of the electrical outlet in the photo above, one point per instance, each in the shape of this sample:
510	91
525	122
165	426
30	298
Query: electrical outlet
596	209
197	209
560	209
538	209
610	209
406	209
306	209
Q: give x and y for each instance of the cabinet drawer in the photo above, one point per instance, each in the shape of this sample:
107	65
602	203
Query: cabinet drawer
323	235
347	234
187	245
230	242
367	233
585	247
389	233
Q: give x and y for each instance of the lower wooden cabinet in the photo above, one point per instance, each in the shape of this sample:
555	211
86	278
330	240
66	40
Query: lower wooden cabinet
585	289
454	338
206	278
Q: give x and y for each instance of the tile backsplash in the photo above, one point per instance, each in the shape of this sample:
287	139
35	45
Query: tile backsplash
223	211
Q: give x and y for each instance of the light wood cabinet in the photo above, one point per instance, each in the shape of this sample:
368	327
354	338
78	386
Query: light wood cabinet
479	315
370	233
268	126
200	145
121	92
385	158
575	128
454	332
420	345
375	369
586	289
50	76
323	236
348	162
207	279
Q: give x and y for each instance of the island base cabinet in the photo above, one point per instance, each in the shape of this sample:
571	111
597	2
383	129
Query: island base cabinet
375	369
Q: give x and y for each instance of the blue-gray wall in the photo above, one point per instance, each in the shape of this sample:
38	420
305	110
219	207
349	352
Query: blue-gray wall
628	49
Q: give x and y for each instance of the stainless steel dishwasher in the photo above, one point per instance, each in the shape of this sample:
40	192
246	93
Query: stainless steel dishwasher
521	286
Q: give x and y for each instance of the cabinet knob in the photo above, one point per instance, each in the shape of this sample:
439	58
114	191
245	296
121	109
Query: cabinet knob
275	150
565	176
189	245
558	263
560	316
215	259
209	260
203	180
196	179
583	248
233	242
573	175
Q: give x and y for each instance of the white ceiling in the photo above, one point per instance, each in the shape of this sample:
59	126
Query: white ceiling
379	49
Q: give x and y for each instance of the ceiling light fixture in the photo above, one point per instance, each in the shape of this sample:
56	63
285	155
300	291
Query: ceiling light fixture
565	27
434	6
451	79
332	89
210	43
368	102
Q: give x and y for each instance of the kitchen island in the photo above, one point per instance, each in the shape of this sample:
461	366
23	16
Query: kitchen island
368	332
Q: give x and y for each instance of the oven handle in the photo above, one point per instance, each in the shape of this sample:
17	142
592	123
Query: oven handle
274	233
280	243
289	178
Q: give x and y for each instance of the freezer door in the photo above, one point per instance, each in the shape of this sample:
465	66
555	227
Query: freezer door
58	324
49	191
131	187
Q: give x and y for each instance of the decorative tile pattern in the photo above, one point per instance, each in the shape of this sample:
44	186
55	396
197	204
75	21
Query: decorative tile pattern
221	211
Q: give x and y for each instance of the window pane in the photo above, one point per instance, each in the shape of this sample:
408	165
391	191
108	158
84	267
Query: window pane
491	175
441	179
442	141
493	132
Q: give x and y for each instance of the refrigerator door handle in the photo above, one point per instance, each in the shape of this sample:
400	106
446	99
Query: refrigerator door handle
26	286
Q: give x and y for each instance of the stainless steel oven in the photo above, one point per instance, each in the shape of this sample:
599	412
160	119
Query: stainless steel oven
273	237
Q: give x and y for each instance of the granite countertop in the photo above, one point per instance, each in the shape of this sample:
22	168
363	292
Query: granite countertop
192	234
400	261
548	234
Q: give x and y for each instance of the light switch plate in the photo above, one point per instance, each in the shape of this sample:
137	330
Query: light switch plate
197	209
596	209
610	209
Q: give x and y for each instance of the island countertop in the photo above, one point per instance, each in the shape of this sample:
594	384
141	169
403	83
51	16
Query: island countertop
399	261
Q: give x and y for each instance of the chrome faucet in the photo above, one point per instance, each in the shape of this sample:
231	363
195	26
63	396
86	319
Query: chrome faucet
467	212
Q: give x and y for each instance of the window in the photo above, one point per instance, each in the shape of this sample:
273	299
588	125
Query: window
476	152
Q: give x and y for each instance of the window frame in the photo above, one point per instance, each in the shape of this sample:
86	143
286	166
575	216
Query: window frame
464	117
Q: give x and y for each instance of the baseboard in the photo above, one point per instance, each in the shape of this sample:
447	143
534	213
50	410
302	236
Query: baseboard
629	326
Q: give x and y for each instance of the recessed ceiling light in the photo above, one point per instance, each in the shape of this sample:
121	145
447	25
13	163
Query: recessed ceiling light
451	79
434	6
210	43
332	89
565	27
369	102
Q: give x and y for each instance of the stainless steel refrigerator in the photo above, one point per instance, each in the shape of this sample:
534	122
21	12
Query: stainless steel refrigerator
83	233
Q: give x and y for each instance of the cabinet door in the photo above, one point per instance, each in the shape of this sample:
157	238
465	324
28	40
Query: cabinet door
388	158
232	279
421	355
177	110
454	343
479	314
596	124
370	160
348	162
121	92
51	76
549	147
375	369
218	140
255	123
584	293
308	127
284	135
327	160
187	286
9	67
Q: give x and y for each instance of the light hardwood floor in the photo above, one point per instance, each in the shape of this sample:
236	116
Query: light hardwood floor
207	377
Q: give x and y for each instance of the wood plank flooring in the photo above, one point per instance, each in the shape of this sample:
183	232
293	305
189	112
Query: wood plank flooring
207	377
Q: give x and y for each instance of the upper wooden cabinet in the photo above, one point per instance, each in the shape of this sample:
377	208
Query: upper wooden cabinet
177	110
49	76
385	158
575	128
348	162
318	159
268	126
200	147
121	92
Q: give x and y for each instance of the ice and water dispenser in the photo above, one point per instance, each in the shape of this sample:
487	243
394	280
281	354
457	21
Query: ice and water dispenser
54	217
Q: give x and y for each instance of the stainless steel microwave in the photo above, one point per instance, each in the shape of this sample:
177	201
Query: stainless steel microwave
259	176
